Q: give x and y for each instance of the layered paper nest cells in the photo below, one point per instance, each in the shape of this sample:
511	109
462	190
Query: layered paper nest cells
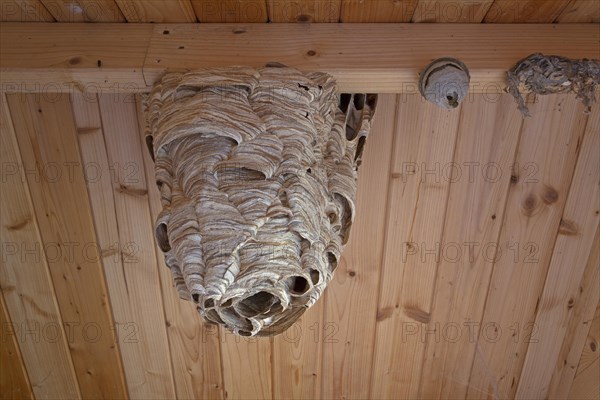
257	173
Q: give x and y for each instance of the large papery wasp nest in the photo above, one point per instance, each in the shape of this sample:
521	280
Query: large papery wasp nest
257	173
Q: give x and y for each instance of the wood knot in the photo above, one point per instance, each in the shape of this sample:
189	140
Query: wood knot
352	274
514	178
384	313
571	303
19	225
311	53
238	31
304	18
132	191
529	205
550	195
417	314
567	227
75	61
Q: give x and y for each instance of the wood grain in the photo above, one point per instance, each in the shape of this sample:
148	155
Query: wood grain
116	256
580	11
524	11
230	11
110	59
297	357
84	10
479	180
298	353
304	10
457	11
586	384
417	205
546	158
573	245
137	285
333	356
575	341
247	366
372	66
348	347
25	279
374	58
377	10
46	135
155	11
194	346
14	383
24	11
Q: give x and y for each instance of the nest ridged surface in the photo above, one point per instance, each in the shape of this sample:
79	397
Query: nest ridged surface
257	172
541	74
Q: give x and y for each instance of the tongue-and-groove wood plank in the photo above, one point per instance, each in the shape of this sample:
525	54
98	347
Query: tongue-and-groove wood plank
195	347
231	11
575	241
547	154
575	344
456	11
255	11
346	346
418	196
297	355
46	134
247	366
135	333
84	10
480	177
151	369
24	11
377	11
586	384
304	10
157	10
580	11
25	280
14	383
525	11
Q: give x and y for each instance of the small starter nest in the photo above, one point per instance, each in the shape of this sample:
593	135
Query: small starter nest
542	74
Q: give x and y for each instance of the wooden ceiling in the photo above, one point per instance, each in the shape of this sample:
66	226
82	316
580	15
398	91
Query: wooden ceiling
472	271
247	11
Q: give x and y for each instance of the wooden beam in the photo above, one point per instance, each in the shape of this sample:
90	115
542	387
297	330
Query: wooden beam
70	57
362	57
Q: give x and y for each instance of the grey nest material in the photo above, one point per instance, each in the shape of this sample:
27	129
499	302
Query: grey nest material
445	82
257	173
542	74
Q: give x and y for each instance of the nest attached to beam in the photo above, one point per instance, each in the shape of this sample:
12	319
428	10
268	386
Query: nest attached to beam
542	74
257	173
